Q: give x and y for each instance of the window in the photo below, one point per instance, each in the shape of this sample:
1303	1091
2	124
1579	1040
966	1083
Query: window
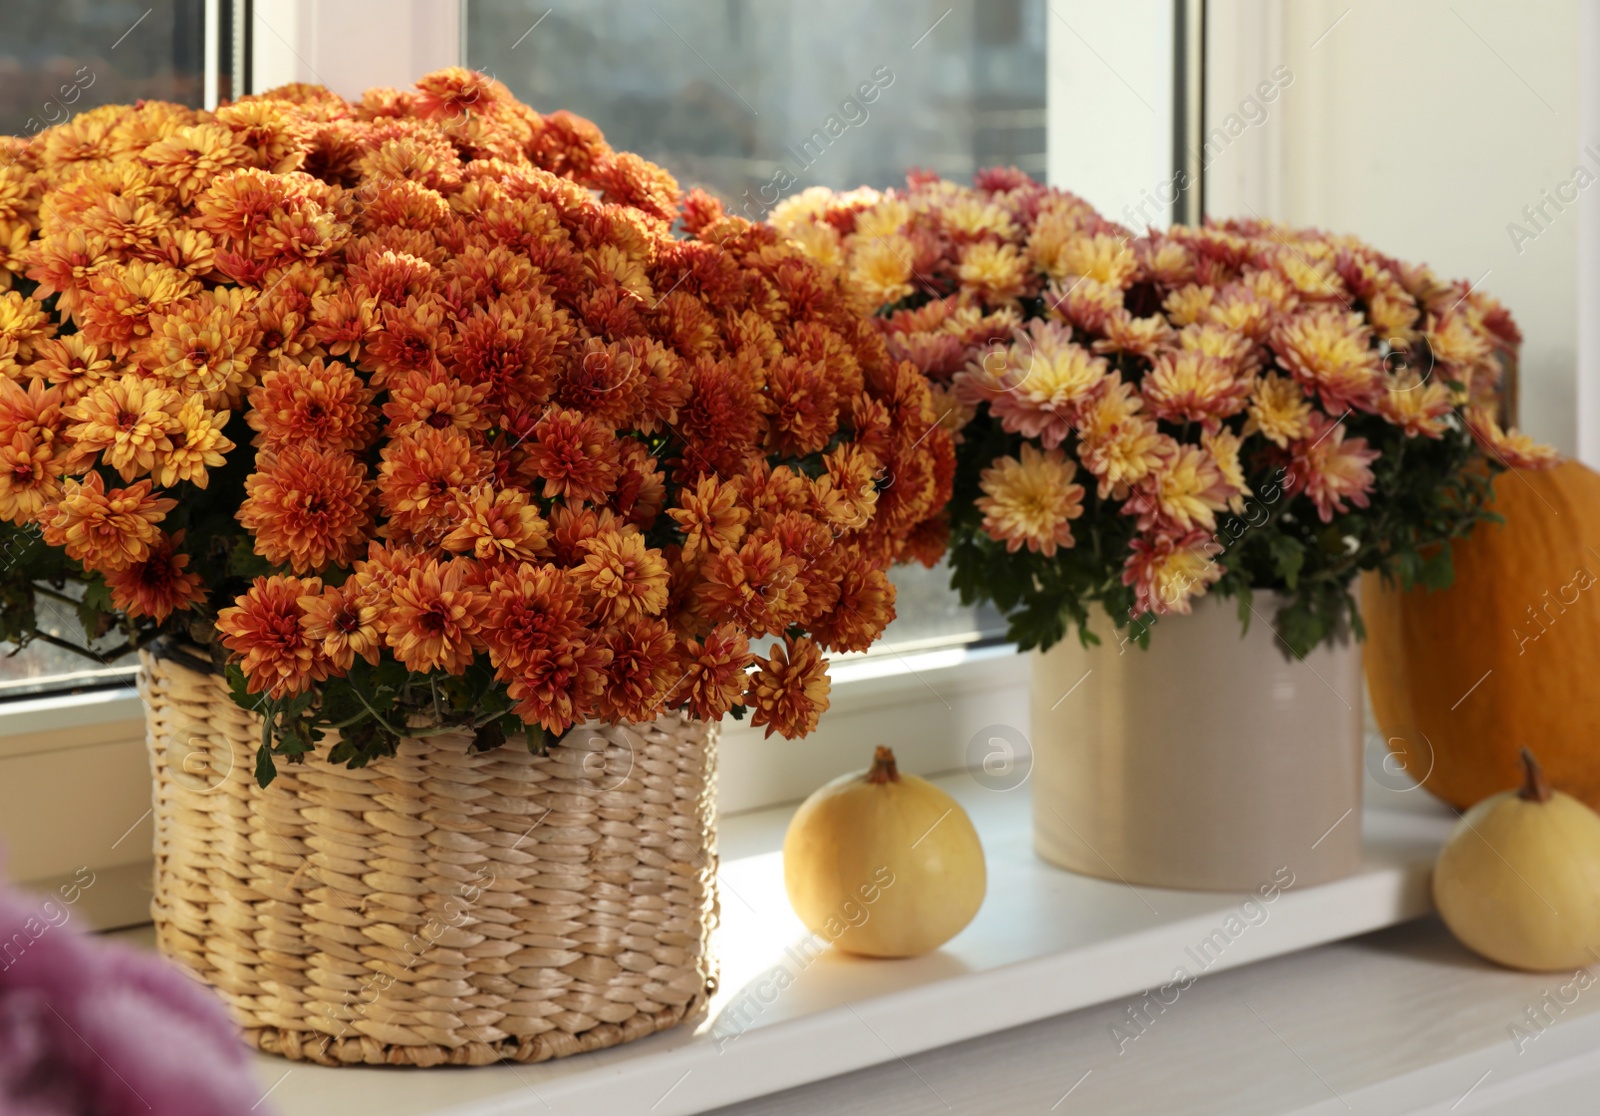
60	57
57	59
756	101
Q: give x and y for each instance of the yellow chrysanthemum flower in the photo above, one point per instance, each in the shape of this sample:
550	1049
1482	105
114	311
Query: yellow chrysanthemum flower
885	218
881	267
1279	410
1050	369
1223	446
197	445
1330	352
1421	408
1104	258
819	241
1118	444
1185	305
1186	489
128	422
1393	314
1032	501
801	209
996	271
970	216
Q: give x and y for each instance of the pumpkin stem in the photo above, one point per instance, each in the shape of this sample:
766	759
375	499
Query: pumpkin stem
883	769
1535	787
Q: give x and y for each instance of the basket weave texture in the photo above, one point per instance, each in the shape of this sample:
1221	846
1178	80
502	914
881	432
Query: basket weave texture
440	907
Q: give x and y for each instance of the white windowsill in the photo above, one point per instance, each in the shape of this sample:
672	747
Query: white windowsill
1046	942
55	713
75	786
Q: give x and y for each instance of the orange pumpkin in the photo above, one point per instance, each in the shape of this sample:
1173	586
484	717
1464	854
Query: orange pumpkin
1508	656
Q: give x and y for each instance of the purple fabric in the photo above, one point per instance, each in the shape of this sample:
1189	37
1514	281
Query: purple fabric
90	1027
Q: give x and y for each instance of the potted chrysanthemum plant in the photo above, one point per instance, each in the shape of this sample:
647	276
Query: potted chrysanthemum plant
450	499
1149	425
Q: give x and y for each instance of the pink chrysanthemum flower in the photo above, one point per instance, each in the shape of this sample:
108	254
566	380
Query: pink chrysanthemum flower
1330	352
1168	571
1333	469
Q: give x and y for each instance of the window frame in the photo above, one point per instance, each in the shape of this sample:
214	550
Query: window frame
936	706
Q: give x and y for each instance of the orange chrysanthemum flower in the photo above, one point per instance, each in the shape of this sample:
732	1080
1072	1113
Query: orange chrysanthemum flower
70	363
323	403
864	607
204	344
435	401
758	586
159	585
128	422
193	156
308	507
501	526
263	628
539	643
575	456
435	617
640	672
790	690
420	477
712	679
535	611
711	518
622	577
343	623
122	297
105	530
30	477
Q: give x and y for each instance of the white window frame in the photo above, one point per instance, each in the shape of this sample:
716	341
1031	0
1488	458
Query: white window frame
74	776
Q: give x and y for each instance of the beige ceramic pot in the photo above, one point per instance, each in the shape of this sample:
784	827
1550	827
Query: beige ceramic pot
1209	760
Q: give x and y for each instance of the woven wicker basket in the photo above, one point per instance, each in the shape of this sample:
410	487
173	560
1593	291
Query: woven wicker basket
440	907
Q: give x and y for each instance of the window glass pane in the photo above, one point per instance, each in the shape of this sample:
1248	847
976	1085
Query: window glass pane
60	57
754	101
57	59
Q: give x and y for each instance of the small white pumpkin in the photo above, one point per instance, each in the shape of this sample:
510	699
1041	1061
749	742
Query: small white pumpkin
1519	879
883	864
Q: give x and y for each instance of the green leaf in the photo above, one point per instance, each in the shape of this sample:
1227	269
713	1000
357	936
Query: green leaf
266	770
239	688
1438	569
1040	622
340	703
534	736
1288	557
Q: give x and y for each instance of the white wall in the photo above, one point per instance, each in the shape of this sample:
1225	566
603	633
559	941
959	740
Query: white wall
1426	128
1110	106
352	45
